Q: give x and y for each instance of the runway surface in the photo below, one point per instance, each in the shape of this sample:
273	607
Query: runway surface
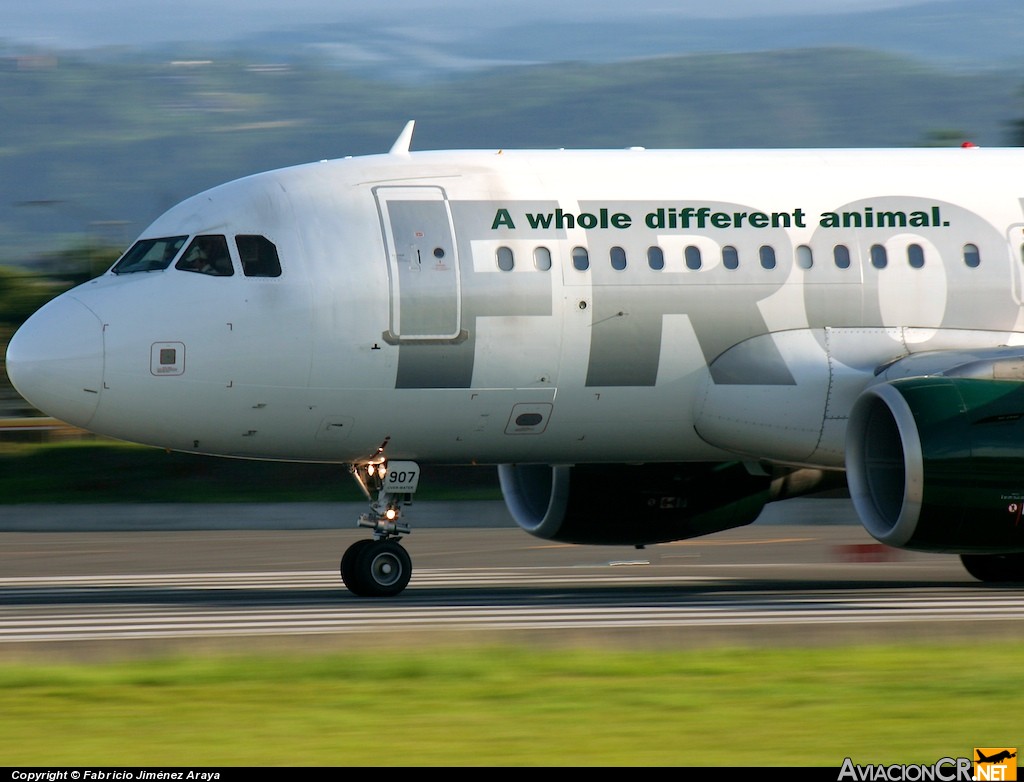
123	592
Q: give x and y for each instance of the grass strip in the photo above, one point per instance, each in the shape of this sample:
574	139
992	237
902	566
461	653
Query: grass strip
518	706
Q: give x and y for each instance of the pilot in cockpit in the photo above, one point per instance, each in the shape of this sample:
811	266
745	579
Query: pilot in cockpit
207	255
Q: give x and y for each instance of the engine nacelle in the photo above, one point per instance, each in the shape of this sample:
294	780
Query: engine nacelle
631	504
937	463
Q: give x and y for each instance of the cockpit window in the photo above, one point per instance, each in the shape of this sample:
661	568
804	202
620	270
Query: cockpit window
149	255
258	255
207	255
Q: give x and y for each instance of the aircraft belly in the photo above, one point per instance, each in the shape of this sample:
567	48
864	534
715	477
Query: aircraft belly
492	426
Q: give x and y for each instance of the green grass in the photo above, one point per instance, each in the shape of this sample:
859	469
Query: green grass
518	706
89	472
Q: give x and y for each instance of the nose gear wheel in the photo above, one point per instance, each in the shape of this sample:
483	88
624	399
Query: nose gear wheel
376	568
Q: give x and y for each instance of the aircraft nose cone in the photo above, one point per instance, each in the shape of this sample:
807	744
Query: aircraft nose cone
55	360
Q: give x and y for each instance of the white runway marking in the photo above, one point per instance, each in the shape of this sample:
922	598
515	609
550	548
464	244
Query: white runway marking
79	608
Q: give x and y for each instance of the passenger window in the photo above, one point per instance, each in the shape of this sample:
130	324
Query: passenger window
767	255
841	254
207	255
580	258
879	257
506	261
804	257
730	257
972	256
692	256
656	258
258	255
542	259
915	256
148	255
618	258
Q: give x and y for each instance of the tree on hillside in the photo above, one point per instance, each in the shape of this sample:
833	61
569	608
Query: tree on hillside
22	293
946	137
1017	133
80	262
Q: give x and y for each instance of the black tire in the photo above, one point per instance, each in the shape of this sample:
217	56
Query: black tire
995	568
349	566
384	569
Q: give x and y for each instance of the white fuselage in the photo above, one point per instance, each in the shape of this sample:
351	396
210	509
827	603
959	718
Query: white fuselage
438	305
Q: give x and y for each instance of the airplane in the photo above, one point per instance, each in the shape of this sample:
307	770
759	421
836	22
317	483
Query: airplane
996	758
649	344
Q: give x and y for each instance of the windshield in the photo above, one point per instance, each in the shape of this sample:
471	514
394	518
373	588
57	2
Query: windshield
207	255
148	255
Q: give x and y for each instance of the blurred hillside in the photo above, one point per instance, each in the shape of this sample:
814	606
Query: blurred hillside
94	149
415	42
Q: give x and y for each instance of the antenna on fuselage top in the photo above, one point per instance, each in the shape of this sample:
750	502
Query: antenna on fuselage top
404	140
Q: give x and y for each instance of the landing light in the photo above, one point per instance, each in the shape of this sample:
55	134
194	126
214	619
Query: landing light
390	514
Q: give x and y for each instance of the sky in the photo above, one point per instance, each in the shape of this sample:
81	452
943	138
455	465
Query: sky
77	24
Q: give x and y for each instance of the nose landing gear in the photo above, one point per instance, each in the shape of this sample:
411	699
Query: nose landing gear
381	567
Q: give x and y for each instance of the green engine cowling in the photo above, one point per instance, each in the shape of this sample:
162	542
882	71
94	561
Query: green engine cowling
937	464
